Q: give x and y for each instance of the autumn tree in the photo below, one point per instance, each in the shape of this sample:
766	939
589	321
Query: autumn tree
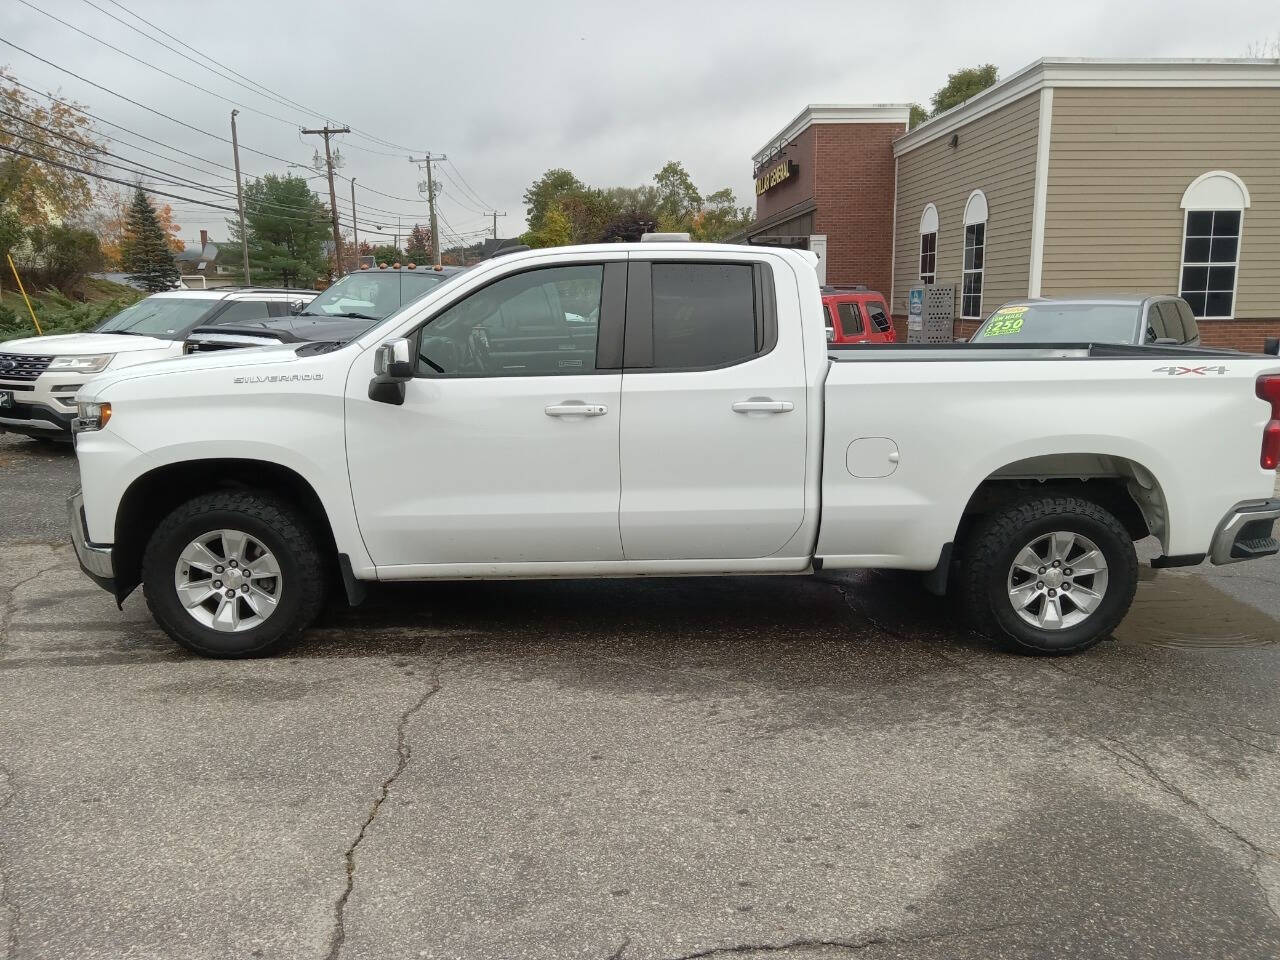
49	140
286	227
418	249
144	252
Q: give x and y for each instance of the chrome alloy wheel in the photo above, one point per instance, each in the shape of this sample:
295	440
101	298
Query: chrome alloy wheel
227	581
1057	580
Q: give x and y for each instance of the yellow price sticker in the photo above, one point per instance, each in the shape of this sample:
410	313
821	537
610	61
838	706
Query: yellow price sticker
1004	321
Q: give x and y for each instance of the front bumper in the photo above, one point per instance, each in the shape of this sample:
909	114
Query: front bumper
95	560
36	419
1245	532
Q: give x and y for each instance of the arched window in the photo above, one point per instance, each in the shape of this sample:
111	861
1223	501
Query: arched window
929	244
1213	219
975	245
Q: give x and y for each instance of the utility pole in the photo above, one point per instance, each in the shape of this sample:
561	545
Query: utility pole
429	159
355	229
496	215
244	237
327	131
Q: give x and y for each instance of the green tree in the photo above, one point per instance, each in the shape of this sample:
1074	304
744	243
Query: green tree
389	253
549	190
720	217
555	230
287	227
918	116
144	249
962	85
678	198
418	249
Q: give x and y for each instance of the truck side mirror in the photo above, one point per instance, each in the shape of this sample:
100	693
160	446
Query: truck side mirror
392	369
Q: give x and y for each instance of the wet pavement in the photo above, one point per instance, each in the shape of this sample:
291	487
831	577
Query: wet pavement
807	767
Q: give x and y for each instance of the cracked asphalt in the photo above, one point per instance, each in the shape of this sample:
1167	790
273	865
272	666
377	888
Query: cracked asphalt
749	767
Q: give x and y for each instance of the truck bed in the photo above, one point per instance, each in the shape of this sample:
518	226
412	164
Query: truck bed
908	439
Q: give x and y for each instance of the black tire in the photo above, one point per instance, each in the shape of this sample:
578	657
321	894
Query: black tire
983	584
278	527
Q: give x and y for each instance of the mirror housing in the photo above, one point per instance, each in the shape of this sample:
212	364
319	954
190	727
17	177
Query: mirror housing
392	369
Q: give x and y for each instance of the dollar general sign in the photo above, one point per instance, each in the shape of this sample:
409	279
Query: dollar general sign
775	175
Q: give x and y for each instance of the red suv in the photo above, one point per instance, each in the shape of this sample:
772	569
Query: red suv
856	315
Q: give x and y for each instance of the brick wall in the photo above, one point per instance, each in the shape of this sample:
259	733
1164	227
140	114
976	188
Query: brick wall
854	192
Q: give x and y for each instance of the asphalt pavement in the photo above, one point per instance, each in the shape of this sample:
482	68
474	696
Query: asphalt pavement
794	766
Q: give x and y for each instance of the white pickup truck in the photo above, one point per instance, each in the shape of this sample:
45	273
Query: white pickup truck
663	409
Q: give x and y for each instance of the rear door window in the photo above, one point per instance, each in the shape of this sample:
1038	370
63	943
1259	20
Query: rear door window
1190	329
850	318
879	316
242	312
704	315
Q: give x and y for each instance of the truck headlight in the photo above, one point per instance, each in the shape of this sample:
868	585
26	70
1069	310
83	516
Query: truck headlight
90	415
88	363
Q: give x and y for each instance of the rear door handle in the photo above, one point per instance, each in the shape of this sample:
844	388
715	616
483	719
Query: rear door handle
575	408
763	405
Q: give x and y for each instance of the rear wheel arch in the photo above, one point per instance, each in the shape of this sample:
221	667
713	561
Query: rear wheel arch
155	494
1123	487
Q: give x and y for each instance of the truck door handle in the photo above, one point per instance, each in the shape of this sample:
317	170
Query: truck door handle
763	405
575	408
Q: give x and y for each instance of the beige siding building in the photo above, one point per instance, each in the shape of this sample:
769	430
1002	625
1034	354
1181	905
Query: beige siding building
1078	176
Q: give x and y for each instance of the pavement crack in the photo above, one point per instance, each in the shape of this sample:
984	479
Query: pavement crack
6	610
1127	755
837	943
622	948
404	753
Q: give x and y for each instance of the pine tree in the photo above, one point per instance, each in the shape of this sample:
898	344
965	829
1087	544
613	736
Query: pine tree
144	249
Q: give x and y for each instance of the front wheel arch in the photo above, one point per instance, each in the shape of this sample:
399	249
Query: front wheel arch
155	494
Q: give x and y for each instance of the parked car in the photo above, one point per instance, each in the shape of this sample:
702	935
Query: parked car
700	425
345	310
857	315
40	376
1158	320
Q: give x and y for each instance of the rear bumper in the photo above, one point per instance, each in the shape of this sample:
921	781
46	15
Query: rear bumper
95	559
1245	532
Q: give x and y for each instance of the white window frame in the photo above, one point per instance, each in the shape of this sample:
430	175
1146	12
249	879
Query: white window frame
928	226
975	212
1216	190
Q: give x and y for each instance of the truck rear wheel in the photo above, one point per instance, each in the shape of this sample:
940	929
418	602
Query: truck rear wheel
1049	575
233	574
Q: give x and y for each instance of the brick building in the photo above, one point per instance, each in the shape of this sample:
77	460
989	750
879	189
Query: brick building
1070	176
825	183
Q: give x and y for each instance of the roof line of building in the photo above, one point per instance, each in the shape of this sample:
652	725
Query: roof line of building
1095	72
833	113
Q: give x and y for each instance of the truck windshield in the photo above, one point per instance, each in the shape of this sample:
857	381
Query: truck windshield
372	295
1060	323
168	318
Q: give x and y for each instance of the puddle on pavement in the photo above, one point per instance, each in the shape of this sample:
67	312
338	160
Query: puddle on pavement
1186	612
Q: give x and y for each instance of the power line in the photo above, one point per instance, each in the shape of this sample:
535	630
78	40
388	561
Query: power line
100	176
143	106
160	70
278	97
475	196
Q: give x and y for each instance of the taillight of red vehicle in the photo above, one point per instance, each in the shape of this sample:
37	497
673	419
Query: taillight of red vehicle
1268	389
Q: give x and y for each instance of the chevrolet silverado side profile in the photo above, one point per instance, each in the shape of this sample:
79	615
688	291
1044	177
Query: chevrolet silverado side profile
664	409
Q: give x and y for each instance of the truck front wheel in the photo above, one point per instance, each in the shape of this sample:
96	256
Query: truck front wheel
233	574
1049	575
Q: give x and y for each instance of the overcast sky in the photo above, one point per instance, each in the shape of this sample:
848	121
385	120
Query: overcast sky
508	89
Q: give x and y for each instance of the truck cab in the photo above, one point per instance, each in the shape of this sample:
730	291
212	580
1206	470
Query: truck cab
856	315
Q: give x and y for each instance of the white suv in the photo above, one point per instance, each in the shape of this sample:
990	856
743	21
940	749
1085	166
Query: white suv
40	376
